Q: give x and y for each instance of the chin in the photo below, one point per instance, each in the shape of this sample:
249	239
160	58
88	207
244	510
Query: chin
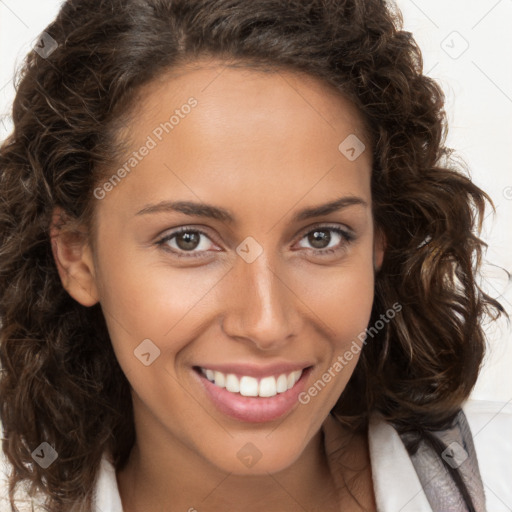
250	458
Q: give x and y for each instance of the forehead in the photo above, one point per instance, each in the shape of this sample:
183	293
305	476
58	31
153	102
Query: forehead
272	95
267	134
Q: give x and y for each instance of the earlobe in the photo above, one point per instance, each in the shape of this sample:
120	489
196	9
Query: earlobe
73	258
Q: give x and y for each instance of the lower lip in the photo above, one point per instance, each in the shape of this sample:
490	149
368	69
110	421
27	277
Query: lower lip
253	409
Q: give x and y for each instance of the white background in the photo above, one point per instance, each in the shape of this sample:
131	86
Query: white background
467	48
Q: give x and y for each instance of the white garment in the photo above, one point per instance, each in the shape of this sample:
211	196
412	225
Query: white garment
396	485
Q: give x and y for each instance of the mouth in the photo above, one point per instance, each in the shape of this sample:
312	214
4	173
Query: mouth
247	385
252	398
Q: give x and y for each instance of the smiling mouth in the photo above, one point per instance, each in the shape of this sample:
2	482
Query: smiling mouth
261	397
246	385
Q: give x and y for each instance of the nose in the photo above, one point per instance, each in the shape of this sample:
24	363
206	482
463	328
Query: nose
261	308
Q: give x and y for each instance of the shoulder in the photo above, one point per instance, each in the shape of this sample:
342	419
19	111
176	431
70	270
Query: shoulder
491	428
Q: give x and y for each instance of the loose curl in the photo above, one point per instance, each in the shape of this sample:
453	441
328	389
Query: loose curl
60	381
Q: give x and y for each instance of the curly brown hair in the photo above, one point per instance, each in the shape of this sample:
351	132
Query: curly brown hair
60	379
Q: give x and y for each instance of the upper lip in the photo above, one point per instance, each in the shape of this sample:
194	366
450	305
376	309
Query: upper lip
252	370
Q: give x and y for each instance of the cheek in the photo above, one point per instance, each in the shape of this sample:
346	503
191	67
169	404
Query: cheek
144	299
341	296
342	300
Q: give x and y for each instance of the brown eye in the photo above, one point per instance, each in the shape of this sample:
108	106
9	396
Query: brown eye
327	239
319	239
186	242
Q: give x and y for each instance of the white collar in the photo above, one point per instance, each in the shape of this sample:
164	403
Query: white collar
107	498
395	481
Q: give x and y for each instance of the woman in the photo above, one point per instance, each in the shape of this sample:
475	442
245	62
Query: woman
237	265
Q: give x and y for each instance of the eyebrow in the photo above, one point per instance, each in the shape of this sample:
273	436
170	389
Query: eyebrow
210	211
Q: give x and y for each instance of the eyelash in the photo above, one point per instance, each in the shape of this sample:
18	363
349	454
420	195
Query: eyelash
348	238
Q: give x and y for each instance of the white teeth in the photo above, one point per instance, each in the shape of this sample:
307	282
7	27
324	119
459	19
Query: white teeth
250	386
282	383
232	383
219	379
268	386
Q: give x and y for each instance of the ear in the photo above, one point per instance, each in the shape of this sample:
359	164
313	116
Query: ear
379	248
73	258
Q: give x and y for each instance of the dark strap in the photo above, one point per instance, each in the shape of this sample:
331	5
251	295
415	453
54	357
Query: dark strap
438	461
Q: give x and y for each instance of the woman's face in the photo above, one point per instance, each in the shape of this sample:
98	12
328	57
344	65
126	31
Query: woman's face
260	285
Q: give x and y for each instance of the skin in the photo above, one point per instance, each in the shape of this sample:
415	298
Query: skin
264	146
